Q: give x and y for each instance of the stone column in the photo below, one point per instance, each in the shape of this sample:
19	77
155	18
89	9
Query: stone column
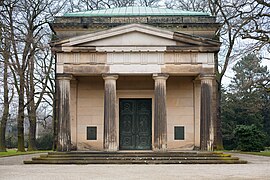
207	119
63	125
110	136
160	116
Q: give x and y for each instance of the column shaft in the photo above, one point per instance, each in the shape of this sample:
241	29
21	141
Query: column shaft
63	135
160	116
207	119
110	136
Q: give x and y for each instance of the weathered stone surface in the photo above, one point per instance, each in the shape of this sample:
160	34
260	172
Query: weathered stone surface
160	116
86	69
197	111
64	136
74	26
188	58
182	69
120	38
175	157
81	58
72	21
90	108
73	112
110	136
207	116
180	112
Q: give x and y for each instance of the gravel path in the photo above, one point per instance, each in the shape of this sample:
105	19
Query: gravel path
257	168
17	160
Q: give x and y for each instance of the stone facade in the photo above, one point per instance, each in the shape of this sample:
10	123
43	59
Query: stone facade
102	60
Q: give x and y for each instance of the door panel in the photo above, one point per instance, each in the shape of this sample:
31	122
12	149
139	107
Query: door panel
135	124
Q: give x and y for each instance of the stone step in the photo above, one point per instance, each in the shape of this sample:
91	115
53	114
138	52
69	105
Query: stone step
192	157
169	154
135	152
135	162
136	158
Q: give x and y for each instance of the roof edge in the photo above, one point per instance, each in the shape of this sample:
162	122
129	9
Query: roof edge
134	11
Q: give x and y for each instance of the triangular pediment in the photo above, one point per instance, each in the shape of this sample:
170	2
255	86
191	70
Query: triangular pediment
132	38
136	35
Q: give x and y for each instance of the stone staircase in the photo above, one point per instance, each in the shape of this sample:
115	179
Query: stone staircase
190	157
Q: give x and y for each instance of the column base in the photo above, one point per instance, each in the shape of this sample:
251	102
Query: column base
111	148
160	150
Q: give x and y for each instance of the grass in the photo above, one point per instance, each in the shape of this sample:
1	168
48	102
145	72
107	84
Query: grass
13	152
262	153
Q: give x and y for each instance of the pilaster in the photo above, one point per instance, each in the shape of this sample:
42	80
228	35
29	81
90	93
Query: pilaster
197	111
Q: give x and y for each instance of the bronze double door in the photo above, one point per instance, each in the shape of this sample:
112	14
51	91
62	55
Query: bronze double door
135	124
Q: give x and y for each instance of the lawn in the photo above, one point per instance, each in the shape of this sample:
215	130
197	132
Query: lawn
13	152
262	153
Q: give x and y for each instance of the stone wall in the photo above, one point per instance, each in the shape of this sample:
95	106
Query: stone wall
204	26
90	110
180	110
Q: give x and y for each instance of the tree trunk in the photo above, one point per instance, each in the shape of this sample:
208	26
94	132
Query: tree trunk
55	116
32	108
20	118
219	141
6	108
218	144
32	127
32	133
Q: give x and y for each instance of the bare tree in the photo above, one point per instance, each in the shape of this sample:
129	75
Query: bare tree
18	62
188	5
148	3
40	68
88	5
28	31
122	3
5	54
259	27
38	90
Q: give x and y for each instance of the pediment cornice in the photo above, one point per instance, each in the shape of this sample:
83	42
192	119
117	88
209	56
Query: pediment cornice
181	40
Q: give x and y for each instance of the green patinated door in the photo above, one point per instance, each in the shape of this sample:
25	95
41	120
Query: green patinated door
135	124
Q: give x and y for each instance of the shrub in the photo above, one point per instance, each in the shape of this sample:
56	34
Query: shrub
11	141
249	138
45	142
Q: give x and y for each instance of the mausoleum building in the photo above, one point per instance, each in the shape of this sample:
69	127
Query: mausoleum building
135	78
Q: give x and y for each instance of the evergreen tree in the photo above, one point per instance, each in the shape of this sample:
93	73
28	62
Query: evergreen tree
247	101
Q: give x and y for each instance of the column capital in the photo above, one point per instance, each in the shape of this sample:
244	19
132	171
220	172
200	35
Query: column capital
64	76
197	80
161	76
207	76
110	76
